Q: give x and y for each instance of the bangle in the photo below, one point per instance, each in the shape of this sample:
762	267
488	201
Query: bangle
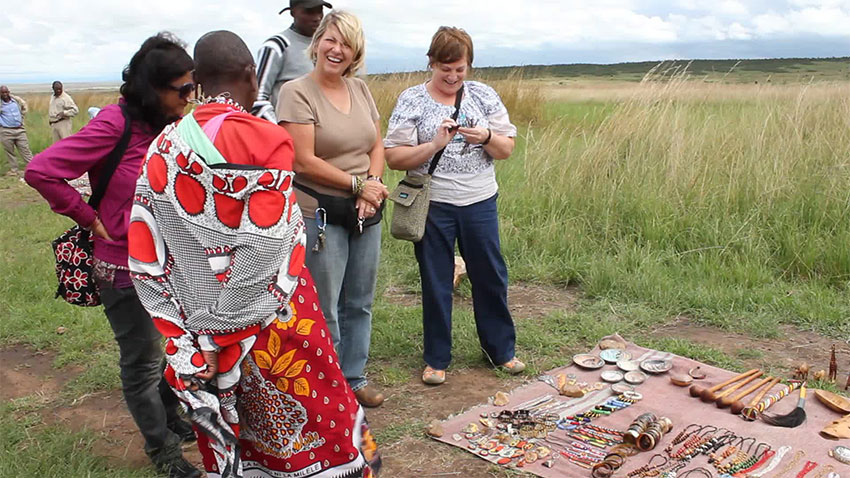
489	135
372	177
356	185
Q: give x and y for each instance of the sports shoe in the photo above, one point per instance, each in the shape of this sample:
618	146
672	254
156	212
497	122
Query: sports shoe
178	468
169	460
369	397
513	366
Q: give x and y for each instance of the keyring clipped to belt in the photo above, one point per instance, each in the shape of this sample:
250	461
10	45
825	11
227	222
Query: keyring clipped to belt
321	223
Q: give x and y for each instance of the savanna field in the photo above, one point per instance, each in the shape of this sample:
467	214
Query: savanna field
700	211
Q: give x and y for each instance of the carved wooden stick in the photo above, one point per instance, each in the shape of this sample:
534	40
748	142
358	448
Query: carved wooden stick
697	390
727	400
752	413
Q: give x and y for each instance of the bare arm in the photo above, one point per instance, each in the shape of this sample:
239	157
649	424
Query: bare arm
376	168
498	147
377	153
405	158
320	171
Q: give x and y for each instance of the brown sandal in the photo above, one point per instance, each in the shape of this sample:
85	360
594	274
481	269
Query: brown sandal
513	366
432	376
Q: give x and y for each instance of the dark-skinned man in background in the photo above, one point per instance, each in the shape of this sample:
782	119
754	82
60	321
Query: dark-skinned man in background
282	58
62	108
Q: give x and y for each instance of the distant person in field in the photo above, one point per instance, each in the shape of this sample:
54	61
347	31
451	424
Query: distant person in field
463	198
282	57
62	109
13	133
339	156
217	246
156	89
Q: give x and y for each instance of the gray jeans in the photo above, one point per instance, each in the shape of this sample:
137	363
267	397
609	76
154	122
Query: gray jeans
15	138
345	271
149	399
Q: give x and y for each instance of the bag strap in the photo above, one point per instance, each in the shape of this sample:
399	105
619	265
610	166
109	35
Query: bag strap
112	161
439	153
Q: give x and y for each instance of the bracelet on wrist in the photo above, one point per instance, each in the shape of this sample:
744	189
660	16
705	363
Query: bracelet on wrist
489	135
372	177
356	185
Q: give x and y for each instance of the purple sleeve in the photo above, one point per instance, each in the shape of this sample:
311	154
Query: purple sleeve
69	159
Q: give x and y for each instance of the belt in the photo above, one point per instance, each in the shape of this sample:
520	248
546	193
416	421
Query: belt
12	127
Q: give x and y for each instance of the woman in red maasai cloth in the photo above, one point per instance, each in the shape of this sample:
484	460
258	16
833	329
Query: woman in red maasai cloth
217	255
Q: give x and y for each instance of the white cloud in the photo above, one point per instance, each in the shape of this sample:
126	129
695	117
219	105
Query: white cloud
733	8
95	38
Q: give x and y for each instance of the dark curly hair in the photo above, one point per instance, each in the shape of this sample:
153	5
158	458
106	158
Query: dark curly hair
160	60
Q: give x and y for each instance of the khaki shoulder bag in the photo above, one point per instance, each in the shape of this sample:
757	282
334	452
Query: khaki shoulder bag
412	197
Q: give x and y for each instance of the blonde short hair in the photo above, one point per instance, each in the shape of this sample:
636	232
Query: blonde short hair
351	29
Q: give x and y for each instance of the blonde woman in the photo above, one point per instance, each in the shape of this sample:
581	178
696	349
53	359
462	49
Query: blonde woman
339	161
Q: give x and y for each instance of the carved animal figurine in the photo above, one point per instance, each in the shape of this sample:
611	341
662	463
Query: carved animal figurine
819	375
833	366
802	371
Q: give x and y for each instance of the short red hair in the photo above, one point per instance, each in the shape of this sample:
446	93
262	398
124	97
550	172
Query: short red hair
449	45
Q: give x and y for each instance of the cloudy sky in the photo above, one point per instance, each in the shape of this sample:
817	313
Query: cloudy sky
92	40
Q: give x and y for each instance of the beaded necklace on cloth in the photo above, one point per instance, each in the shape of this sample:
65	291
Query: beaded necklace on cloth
223	99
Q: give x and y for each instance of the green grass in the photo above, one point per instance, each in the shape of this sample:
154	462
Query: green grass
29	448
726	204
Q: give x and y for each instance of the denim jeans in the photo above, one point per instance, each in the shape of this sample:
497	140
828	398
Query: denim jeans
149	398
345	271
476	229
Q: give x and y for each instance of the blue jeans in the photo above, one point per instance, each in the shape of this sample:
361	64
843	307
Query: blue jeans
476	229
345	271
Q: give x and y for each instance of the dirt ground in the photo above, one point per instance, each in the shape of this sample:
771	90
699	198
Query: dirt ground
408	408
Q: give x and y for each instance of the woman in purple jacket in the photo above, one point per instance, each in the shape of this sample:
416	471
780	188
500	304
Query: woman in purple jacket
156	89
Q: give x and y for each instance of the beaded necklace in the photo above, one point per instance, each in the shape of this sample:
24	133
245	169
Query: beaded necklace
773	463
224	99
756	460
797	456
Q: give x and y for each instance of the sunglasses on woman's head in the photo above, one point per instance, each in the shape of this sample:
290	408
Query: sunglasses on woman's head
183	90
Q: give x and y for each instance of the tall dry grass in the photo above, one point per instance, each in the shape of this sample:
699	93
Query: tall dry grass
728	202
38	129
523	99
722	201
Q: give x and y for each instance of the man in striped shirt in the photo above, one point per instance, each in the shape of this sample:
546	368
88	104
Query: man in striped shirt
283	56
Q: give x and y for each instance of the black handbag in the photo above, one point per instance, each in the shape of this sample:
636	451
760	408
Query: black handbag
74	248
342	211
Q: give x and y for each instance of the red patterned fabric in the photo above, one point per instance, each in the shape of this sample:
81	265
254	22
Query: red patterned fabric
74	266
217	256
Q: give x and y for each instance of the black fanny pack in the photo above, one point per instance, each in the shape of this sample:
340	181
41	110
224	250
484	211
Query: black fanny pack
342	211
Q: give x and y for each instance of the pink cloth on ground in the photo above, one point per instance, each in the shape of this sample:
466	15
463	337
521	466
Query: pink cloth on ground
665	399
